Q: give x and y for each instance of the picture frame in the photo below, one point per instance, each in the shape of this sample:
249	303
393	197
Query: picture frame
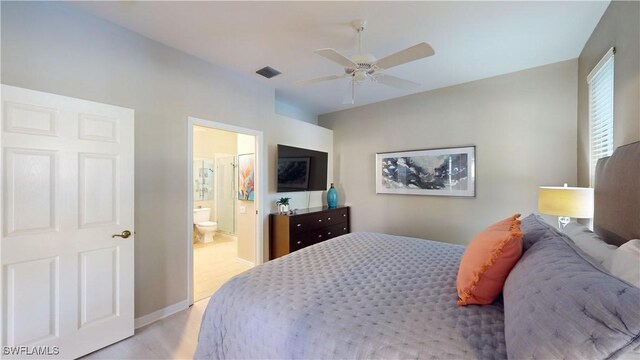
437	172
246	177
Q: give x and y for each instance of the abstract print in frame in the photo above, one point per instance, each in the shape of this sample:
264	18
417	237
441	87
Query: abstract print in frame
441	172
246	165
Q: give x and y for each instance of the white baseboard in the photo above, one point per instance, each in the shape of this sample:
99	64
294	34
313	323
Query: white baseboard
161	314
246	262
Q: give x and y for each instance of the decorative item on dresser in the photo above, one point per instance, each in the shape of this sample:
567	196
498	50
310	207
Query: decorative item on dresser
332	197
283	205
292	232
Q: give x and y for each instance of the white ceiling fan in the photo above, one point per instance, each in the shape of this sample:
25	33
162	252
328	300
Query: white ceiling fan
363	67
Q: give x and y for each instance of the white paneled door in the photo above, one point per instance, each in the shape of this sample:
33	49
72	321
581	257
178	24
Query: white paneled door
67	208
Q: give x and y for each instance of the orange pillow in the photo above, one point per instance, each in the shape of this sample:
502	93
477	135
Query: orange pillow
488	260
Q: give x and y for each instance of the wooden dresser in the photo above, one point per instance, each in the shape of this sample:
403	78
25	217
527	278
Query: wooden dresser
288	233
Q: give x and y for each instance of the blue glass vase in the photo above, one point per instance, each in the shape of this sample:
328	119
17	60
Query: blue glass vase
332	197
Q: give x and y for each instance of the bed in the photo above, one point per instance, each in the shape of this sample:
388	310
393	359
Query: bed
378	296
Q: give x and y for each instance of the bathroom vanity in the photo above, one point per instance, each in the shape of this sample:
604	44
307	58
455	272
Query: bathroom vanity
291	232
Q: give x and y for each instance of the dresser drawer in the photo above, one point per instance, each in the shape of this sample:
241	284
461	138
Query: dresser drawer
318	236
337	230
340	229
299	241
304	223
329	232
341	215
333	217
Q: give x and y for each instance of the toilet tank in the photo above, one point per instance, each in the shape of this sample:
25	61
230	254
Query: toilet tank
201	215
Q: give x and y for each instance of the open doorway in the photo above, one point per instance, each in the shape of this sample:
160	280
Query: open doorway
225	234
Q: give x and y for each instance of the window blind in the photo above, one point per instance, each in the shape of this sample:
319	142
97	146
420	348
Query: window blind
600	82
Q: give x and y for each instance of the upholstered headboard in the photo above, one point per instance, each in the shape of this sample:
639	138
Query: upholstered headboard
617	195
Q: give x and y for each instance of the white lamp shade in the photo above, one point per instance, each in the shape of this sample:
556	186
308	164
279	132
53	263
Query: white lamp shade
572	202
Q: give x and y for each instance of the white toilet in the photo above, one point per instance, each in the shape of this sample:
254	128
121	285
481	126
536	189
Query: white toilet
206	228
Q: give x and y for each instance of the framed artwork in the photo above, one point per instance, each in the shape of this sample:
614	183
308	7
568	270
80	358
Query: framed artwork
440	172
246	171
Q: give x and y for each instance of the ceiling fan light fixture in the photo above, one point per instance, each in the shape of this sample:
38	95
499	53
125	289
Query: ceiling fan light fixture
360	75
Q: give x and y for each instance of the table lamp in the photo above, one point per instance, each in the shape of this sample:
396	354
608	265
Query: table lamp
565	202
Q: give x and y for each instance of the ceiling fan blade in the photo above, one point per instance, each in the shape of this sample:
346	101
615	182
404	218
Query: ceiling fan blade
415	52
320	79
336	57
397	82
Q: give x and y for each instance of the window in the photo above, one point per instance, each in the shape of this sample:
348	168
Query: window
600	82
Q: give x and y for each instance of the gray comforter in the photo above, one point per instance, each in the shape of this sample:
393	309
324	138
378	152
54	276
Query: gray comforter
361	295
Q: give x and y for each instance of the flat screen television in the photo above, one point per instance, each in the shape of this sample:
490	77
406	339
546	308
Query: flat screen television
301	169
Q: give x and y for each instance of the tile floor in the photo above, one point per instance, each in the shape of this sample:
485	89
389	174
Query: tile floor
213	264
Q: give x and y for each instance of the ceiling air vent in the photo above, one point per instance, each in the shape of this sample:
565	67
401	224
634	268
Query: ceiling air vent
268	72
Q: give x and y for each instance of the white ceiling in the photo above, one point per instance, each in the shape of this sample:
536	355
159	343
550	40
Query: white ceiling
472	40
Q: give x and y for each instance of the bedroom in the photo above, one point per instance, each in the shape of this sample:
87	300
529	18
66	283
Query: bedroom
61	49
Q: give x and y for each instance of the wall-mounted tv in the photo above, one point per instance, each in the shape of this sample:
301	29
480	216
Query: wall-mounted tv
301	169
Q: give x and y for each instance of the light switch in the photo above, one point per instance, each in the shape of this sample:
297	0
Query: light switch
243	209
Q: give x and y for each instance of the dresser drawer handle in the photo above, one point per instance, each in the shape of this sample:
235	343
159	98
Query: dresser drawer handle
328	218
345	229
299	242
298	225
329	233
319	220
319	236
344	215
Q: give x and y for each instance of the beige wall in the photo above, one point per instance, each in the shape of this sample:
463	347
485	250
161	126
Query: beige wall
619	27
523	125
246	210
207	144
55	48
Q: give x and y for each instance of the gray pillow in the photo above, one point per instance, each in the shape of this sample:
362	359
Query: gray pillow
589	242
528	226
561	305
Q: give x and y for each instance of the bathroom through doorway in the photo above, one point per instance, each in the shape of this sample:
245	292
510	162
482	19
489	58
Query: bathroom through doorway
224	195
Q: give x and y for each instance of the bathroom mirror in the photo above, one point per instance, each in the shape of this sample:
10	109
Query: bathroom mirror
203	179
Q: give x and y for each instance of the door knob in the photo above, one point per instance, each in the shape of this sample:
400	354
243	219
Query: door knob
125	234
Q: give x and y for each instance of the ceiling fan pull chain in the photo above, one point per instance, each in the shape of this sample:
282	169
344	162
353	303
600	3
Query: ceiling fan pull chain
360	41
353	91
